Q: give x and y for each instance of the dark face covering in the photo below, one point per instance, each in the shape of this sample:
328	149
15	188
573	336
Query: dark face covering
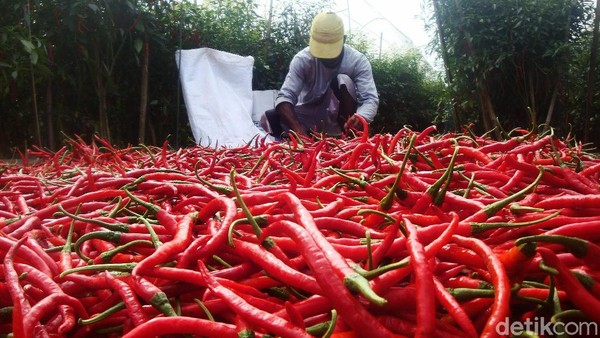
333	63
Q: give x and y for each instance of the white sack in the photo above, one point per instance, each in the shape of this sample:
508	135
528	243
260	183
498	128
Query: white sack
217	91
262	100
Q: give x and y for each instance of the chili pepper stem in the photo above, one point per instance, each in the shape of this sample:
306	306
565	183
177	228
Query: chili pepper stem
125	267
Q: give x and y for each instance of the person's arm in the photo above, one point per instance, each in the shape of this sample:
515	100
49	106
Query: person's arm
366	92
289	92
286	112
353	123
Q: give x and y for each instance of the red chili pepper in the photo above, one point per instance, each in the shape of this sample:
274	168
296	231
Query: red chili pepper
187	325
541	294
531	147
21	306
407	328
578	182
45	306
273	267
580	248
424	284
584	301
153	295
365	128
476	306
181	239
447	270
574	201
471	154
309	307
25	253
355	154
345	303
347	227
134	308
218	239
516	259
454	309
500	147
466	282
351	278
310	173
380	252
253	315
501	307
400	134
40	252
165	218
48	211
48	286
389	279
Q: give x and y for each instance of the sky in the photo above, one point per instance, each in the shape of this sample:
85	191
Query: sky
391	25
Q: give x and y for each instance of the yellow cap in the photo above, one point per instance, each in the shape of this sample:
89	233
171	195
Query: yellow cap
326	36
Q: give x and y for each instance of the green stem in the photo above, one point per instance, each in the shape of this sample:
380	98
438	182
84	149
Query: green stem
332	323
108	255
478	227
153	208
492	208
578	247
110	226
371	274
221	260
205	309
481	187
548	269
361	183
356	282
67	248
570	314
103	315
386	216
462	294
427	160
110	236
268	242
217	187
232	231
469	186
386	202
369	250
515	208
160	301
153	236
116	209
439	188
318	329
124	267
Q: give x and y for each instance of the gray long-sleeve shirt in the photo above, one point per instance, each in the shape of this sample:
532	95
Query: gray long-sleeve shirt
308	81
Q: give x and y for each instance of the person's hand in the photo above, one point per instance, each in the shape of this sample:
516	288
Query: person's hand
302	132
353	122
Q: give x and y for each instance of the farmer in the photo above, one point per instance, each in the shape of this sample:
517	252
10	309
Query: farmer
328	82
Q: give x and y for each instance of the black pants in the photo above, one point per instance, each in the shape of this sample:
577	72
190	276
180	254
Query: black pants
347	108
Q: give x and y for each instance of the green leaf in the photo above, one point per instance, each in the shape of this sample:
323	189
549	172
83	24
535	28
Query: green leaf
28	45
33	56
139	26
138	44
94	7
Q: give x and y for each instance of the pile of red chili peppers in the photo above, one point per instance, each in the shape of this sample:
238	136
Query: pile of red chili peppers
413	234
